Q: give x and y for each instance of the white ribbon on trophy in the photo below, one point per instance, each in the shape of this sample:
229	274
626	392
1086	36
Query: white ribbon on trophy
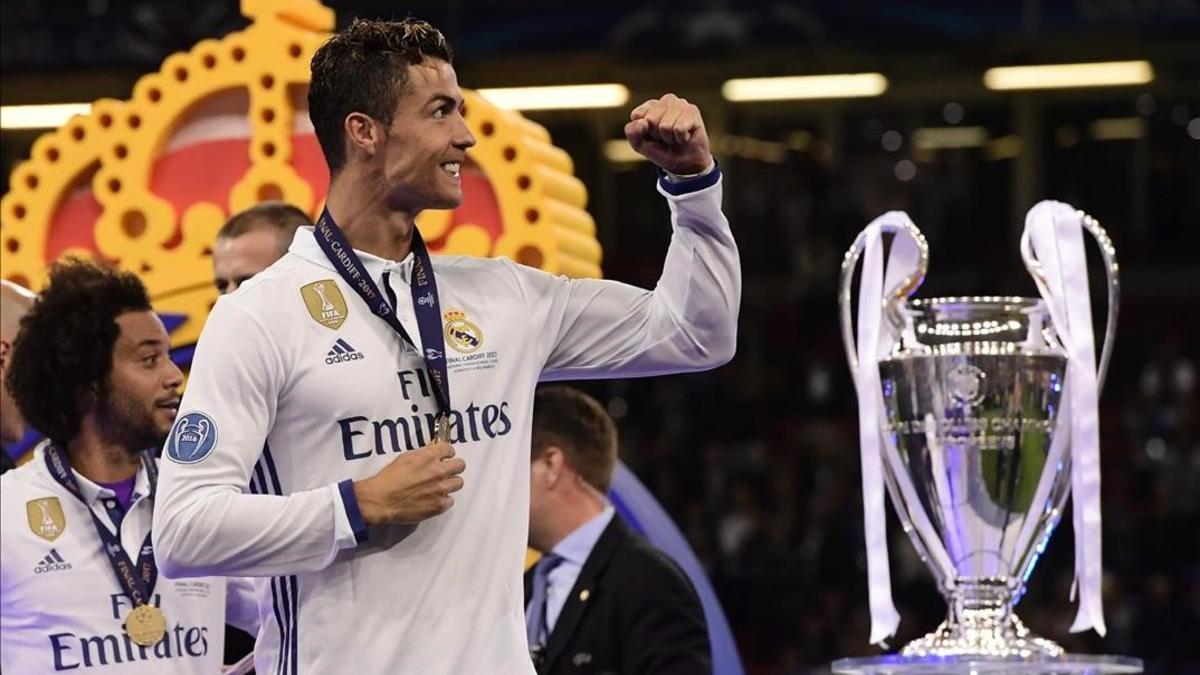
1054	238
874	341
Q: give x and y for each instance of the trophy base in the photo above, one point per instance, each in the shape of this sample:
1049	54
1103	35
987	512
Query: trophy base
987	635
1067	664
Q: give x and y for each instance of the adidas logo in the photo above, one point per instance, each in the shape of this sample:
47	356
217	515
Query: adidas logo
342	352
53	562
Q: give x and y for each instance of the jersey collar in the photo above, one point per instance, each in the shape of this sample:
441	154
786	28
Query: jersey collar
304	244
92	492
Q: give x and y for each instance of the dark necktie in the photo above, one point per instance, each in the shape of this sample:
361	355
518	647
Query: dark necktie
535	613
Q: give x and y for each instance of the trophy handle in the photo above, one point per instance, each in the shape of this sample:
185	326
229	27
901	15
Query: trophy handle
893	299
1109	254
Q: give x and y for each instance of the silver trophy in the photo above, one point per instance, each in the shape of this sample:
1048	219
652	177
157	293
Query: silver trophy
972	389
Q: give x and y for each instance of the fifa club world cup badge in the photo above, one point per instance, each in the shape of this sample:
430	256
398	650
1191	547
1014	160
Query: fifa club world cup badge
46	517
325	303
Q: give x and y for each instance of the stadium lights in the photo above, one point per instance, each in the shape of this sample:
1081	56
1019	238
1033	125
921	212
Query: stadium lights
934	138
565	97
1066	75
1117	129
47	116
618	151
854	85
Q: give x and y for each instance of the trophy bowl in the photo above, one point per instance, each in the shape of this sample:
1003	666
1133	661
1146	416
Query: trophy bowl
972	392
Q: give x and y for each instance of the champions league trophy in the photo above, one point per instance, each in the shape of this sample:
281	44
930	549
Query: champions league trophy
979	415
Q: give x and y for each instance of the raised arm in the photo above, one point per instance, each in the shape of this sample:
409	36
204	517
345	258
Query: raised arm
688	322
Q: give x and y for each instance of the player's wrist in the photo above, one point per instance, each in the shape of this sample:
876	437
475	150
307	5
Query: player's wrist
697	169
367	506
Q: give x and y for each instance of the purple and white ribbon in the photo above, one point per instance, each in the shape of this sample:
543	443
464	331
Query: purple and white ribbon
874	341
1054	237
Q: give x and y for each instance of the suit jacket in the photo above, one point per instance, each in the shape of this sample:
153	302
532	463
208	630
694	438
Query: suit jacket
632	612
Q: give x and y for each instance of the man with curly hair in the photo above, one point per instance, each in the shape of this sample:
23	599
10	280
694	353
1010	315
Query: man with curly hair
78	584
378	400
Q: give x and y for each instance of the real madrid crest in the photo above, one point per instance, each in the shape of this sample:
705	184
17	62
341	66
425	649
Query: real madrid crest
46	517
325	303
461	334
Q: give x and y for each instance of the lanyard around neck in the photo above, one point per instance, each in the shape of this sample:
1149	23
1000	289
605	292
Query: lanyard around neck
349	266
137	581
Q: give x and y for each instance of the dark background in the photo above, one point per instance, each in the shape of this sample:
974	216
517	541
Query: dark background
758	461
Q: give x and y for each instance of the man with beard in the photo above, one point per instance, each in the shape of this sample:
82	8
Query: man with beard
78	584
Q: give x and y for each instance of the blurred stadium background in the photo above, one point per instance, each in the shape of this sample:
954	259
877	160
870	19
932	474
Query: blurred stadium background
757	462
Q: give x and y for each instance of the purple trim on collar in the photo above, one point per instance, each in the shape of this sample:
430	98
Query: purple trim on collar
123	489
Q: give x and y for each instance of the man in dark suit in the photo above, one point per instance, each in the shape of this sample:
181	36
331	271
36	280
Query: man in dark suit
601	599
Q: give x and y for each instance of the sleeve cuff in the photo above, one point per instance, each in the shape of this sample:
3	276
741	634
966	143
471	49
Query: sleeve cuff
680	185
349	524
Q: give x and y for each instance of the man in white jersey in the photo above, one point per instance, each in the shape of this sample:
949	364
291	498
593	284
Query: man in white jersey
78	587
351	381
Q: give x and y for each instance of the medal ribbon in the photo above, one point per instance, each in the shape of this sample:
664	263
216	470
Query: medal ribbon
333	244
137	582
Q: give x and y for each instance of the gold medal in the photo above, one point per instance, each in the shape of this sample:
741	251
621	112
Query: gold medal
146	625
441	429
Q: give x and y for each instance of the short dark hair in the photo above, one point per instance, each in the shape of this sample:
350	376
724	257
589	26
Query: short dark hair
364	68
64	348
276	215
579	425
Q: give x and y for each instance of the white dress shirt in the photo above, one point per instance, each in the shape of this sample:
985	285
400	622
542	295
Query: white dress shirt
574	550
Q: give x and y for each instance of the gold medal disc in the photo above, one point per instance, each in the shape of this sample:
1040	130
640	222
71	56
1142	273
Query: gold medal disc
441	428
146	625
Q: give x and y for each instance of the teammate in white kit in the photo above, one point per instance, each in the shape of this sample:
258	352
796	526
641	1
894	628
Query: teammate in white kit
349	382
90	369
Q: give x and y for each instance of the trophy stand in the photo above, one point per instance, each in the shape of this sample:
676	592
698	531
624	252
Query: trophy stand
1067	664
981	621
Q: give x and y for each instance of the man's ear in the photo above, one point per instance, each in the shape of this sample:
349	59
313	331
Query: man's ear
555	465
88	398
363	132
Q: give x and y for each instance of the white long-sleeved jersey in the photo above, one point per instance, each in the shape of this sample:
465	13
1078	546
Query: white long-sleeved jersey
61	606
297	389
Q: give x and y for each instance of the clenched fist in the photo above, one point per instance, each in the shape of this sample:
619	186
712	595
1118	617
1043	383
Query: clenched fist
670	132
414	486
